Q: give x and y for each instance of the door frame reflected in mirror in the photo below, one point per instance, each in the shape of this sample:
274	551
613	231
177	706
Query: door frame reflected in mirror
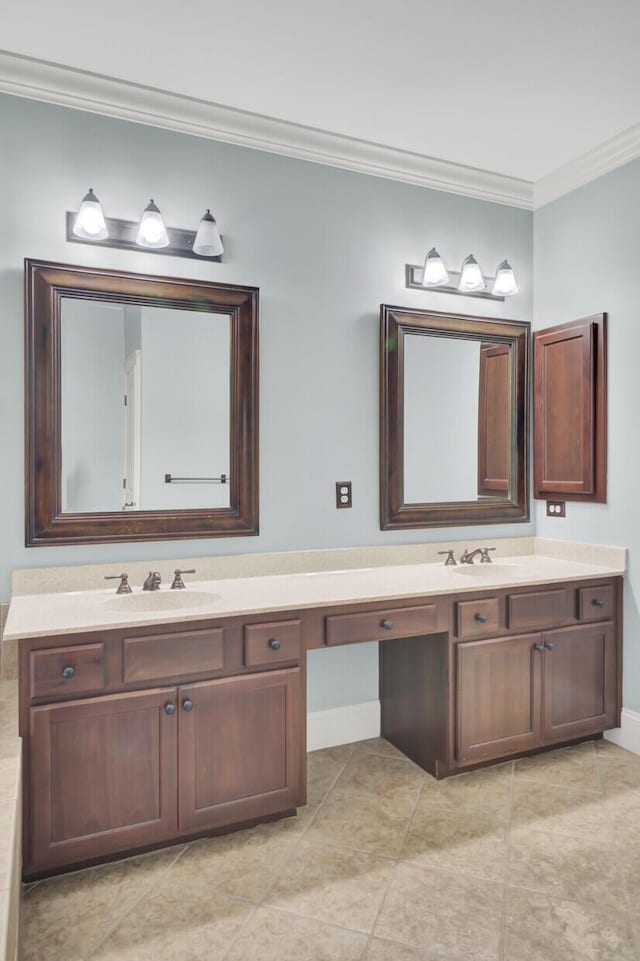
395	514
46	286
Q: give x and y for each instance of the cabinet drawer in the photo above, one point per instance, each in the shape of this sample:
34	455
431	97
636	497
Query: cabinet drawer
160	657
479	618
380	625
540	609
596	603
67	670
271	643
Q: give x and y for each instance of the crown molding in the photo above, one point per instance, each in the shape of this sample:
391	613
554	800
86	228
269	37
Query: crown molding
607	156
80	90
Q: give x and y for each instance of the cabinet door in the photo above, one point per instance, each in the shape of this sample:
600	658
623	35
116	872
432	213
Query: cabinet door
241	748
494	420
580	681
498	697
103	776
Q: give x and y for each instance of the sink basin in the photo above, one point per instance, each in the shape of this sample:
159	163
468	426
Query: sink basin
166	600
490	570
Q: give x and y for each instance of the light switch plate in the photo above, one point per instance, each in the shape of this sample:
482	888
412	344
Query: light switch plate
556	508
343	495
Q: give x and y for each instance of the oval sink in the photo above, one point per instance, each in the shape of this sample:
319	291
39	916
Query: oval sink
490	570
167	600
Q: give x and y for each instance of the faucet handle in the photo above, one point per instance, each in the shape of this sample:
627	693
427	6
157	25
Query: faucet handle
484	555
450	557
178	583
124	587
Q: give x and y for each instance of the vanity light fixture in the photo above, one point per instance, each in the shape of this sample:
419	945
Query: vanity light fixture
88	225
505	284
208	242
89	221
468	282
152	231
435	272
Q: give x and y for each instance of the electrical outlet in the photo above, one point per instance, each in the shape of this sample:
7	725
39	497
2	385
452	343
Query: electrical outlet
556	508
343	494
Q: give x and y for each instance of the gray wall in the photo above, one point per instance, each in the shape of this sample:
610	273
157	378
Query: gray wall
587	260
326	247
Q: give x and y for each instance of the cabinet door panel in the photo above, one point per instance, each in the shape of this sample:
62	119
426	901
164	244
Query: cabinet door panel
498	697
103	776
579	681
241	748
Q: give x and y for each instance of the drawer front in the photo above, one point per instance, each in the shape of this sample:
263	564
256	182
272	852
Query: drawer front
596	603
479	618
160	657
67	671
380	625
540	609
271	643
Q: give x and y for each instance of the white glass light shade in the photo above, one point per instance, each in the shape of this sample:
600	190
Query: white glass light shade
152	231
471	278
208	242
505	284
435	272
89	223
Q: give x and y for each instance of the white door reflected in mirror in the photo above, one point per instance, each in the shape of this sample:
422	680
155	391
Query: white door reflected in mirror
145	393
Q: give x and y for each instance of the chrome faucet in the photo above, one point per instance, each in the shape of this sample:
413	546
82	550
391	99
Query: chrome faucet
467	557
152	582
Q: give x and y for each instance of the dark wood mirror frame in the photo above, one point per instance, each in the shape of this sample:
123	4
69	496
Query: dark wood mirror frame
45	286
395	514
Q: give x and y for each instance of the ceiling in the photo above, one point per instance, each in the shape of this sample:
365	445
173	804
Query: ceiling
515	88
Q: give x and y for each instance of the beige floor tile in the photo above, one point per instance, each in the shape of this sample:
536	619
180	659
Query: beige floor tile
620	774
273	935
572	767
548	807
457	843
540	928
185	921
623	809
379	776
378	745
338	886
608	751
453	915
485	793
375	824
242	864
68	916
565	866
380	950
323	769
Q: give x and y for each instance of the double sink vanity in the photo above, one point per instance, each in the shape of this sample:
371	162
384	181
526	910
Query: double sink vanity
156	716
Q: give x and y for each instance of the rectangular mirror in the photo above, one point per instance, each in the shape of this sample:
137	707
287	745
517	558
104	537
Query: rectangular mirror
153	427
453	419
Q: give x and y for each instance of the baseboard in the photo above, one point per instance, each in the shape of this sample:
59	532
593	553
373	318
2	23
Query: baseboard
342	725
628	734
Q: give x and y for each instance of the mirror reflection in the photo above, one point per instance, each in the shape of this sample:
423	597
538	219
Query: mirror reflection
457	419
145	395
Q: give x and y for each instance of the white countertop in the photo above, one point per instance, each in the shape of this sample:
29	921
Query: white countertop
59	612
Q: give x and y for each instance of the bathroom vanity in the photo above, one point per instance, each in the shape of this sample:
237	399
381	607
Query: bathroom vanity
158	725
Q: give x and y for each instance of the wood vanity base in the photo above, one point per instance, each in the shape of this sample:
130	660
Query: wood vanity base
141	737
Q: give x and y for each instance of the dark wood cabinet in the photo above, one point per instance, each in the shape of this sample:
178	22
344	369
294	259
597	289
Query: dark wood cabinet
580	693
241	748
498	686
105	776
570	415
494	420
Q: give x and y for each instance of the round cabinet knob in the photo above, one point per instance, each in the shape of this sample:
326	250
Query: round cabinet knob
597	602
388	625
538	647
187	705
549	645
482	618
274	644
69	672
169	708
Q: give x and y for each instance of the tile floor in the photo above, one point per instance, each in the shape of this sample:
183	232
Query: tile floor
537	860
